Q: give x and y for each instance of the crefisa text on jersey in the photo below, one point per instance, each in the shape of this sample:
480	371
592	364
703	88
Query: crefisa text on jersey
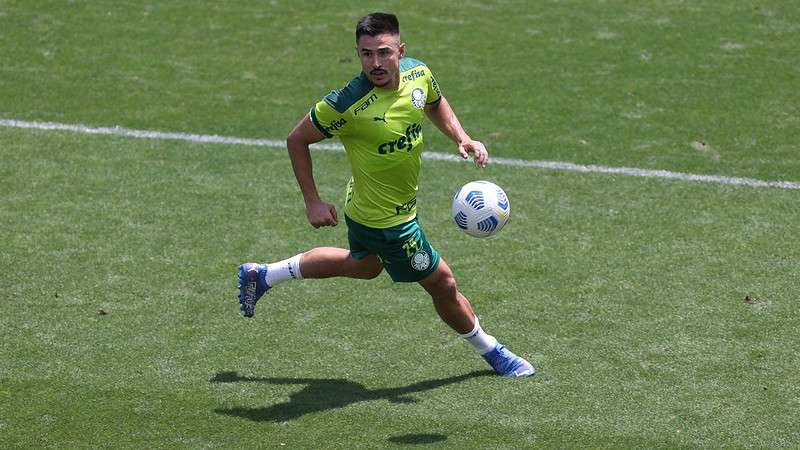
405	142
414	75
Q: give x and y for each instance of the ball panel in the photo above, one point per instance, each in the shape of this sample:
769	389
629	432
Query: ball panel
488	224
502	200
475	199
461	220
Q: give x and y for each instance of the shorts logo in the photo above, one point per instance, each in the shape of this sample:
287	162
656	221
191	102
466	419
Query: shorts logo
418	98
421	260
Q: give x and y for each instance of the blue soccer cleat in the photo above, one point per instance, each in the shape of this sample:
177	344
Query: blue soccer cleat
508	364
252	285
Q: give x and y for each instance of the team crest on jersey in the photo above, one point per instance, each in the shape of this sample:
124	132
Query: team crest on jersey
421	260
418	98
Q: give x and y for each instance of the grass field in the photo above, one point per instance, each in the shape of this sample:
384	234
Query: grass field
659	313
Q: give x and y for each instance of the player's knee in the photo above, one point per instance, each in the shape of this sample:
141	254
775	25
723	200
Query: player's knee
445	289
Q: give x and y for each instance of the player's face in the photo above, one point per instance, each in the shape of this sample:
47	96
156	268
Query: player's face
380	59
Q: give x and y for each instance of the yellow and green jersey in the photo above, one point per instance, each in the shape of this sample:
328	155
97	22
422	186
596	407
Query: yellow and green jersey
381	131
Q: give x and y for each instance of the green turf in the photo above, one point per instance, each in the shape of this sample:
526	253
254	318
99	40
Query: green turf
119	322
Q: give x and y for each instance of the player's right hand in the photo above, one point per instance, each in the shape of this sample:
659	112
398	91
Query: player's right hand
321	214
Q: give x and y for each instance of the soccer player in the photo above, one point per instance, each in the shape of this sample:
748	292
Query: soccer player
378	117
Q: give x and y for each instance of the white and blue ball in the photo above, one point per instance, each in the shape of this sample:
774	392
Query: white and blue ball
481	208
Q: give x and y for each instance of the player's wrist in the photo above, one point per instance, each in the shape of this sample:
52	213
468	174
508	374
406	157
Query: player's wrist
311	199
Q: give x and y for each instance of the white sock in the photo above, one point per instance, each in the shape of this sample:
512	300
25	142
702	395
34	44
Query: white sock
483	343
288	269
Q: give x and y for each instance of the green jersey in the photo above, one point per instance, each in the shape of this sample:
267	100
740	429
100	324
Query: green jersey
381	131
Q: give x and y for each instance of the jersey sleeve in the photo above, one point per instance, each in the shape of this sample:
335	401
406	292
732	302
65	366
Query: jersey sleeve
328	120
434	95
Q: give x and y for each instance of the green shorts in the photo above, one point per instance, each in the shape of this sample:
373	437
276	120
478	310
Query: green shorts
403	249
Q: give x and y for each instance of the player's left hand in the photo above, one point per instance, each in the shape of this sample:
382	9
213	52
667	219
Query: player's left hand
476	148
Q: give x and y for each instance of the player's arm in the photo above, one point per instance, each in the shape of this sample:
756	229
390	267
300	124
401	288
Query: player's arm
319	213
442	115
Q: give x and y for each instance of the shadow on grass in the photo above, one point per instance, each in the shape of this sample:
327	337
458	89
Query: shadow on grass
320	394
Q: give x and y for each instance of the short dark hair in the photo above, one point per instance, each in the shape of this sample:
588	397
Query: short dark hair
377	23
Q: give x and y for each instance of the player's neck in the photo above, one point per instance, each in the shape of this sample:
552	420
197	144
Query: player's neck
390	87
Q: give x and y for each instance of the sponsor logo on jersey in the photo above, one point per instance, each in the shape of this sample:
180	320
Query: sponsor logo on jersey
413	75
418	98
365	104
406	207
404	142
335	125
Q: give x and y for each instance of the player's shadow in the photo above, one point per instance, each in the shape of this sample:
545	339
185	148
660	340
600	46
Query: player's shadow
320	394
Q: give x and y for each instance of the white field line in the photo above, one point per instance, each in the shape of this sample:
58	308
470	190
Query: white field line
439	156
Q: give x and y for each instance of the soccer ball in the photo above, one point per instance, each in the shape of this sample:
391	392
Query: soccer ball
481	208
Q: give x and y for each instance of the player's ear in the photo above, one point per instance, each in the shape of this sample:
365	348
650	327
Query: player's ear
402	49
